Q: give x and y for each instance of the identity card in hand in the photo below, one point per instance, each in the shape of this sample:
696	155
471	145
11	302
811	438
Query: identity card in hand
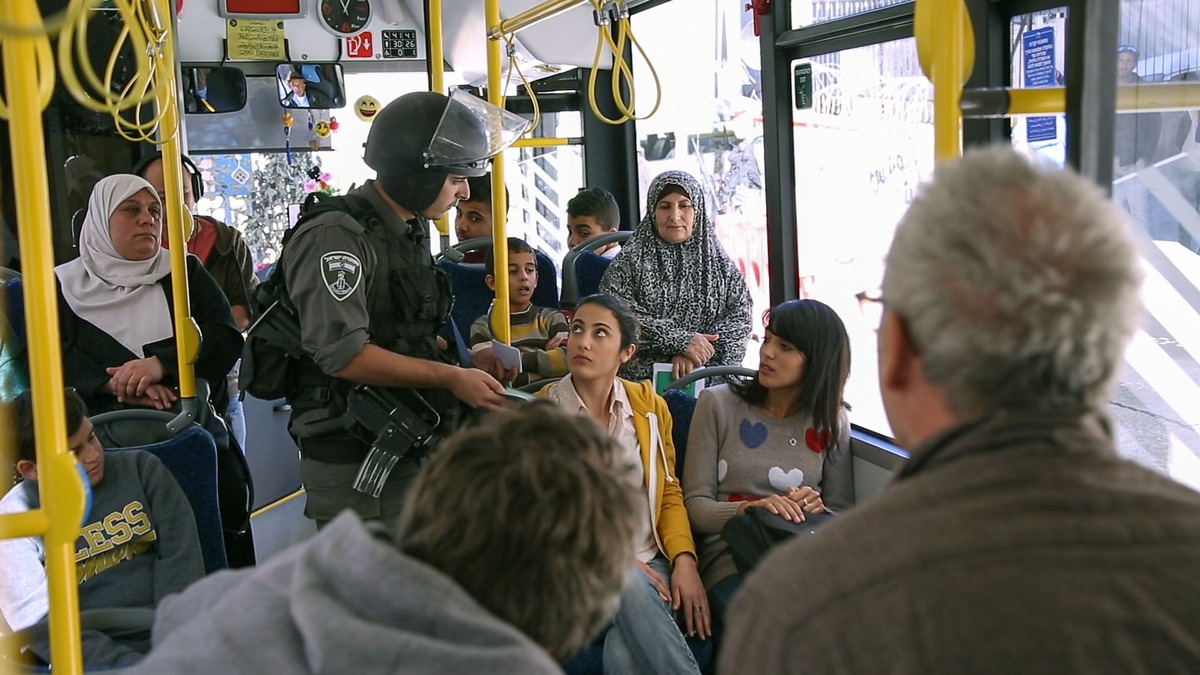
509	356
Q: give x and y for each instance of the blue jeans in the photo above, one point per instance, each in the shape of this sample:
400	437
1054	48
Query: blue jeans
645	636
234	414
237	421
720	596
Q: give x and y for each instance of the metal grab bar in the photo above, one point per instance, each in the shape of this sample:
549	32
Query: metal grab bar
499	28
1002	102
710	371
60	489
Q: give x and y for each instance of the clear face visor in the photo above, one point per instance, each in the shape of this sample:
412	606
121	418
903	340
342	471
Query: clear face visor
470	133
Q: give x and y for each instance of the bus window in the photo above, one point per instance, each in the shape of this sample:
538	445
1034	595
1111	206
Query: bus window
860	153
213	90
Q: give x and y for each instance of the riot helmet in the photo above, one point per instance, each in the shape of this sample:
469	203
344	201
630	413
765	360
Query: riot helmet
421	137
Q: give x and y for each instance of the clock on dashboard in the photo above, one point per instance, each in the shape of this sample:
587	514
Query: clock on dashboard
344	17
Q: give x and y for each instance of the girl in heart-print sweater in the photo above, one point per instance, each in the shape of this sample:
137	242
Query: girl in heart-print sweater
780	442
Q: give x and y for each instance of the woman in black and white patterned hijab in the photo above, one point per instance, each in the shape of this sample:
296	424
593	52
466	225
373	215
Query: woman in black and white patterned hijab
689	296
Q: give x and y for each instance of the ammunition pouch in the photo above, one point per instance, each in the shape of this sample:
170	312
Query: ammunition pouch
396	423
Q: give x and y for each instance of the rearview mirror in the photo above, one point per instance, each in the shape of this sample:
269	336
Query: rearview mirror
317	86
213	90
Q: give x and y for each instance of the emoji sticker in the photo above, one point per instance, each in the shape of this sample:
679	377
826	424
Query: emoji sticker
321	129
366	107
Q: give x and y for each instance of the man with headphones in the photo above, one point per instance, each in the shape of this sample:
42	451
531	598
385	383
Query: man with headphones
224	254
370	300
219	247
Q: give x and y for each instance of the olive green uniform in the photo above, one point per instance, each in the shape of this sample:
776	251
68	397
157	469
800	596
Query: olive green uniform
330	268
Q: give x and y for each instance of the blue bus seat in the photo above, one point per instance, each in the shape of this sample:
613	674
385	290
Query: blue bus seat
583	268
590	269
131	427
191	457
681	406
472	297
545	294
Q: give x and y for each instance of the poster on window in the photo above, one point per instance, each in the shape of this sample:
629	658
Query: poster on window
1038	51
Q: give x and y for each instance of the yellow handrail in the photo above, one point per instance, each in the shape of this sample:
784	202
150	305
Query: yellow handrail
546	10
187	333
25	40
437	82
947	83
436	55
926	24
24	524
546	142
1164	96
60	487
500	321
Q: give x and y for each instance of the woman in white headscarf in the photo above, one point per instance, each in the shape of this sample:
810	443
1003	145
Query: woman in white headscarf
689	296
115	306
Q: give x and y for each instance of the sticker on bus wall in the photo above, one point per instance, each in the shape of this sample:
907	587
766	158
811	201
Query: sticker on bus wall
804	86
361	46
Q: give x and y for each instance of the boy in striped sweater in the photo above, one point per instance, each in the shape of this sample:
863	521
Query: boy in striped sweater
540	333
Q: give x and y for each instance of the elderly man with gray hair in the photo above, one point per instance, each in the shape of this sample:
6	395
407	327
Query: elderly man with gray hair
1014	538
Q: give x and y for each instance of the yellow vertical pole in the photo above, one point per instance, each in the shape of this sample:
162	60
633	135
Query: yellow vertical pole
60	486
187	333
437	82
947	79
501	327
436	56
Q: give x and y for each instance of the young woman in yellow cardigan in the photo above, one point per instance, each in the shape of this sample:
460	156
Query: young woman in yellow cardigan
645	635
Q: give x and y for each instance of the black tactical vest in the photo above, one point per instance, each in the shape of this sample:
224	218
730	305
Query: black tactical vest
408	300
408	297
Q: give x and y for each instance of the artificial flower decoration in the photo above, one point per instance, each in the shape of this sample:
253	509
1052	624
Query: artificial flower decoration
318	181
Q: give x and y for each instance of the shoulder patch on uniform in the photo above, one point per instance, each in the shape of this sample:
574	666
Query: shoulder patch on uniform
342	273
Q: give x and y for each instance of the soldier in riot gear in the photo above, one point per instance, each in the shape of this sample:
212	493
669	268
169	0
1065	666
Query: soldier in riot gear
361	280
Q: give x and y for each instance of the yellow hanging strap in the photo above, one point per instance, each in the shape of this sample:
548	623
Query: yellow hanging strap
144	26
606	13
513	65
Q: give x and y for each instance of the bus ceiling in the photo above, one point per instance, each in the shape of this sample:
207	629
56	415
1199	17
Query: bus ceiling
392	38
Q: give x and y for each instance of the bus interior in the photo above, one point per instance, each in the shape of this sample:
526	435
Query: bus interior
810	124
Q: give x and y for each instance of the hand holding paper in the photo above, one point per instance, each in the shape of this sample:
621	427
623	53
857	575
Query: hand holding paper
508	355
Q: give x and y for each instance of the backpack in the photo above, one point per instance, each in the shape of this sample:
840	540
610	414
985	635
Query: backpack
273	350
754	533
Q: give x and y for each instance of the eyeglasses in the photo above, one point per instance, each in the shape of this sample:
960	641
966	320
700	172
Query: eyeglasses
871	305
